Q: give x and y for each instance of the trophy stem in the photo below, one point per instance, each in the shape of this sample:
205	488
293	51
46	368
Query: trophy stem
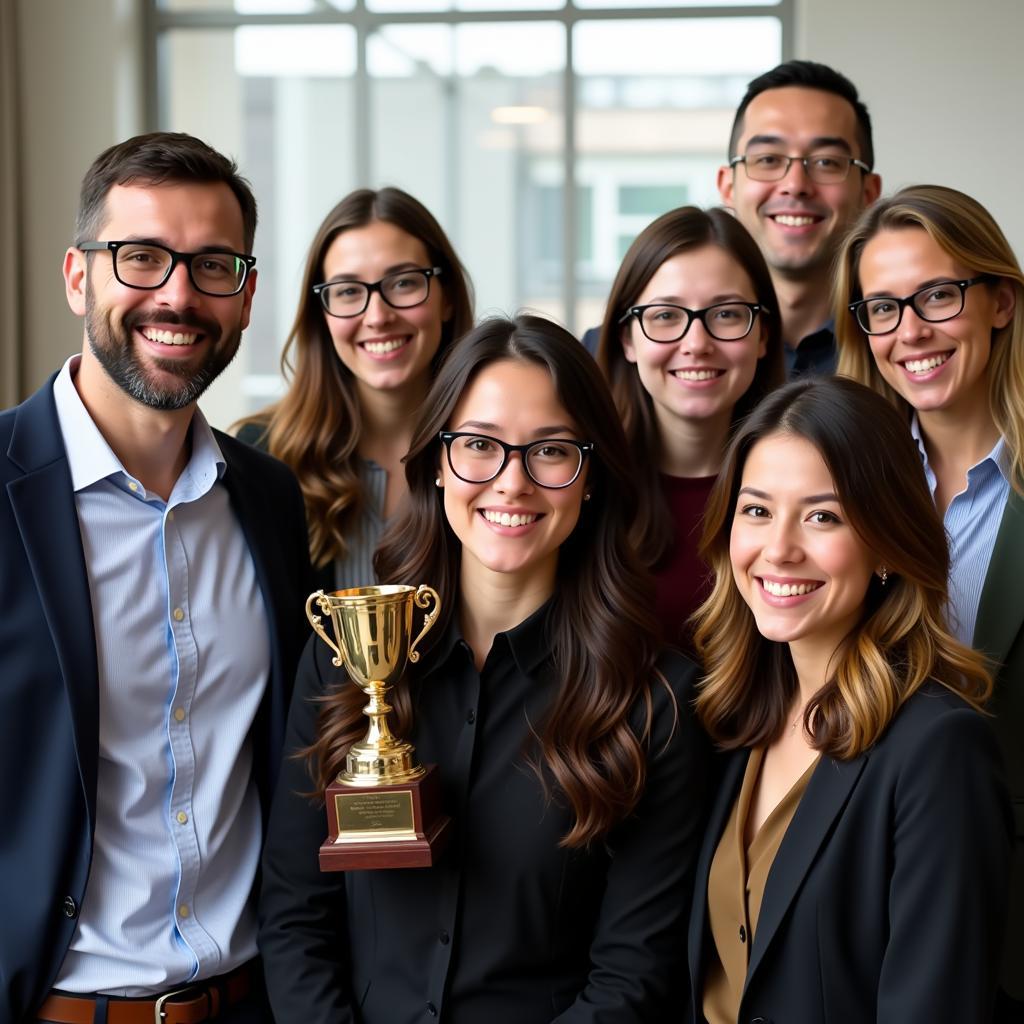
380	758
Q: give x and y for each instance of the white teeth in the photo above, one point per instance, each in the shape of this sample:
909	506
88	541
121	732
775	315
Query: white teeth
504	519
380	348
924	365
790	221
697	374
169	337
788	589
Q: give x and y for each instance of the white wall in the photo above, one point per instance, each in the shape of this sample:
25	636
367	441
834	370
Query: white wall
944	82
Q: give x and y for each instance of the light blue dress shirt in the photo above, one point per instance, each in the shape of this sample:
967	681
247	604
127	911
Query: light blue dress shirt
972	523
183	652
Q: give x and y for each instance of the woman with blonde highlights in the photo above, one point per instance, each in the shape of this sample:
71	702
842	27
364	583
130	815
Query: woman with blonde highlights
569	756
857	857
383	296
930	313
691	341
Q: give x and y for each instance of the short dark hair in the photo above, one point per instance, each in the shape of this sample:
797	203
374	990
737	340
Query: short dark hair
808	75
155	159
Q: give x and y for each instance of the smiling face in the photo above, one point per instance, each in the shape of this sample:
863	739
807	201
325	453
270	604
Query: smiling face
796	222
934	366
517	403
802	570
162	347
385	348
697	377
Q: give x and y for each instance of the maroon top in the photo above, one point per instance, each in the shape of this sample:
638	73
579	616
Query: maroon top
682	579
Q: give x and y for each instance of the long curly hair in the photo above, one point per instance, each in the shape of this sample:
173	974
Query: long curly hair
603	639
316	427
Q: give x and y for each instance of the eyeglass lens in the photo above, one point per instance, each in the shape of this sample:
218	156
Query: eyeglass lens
728	321
550	463
349	298
148	266
823	168
935	303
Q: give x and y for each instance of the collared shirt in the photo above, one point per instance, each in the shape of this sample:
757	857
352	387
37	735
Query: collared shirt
183	656
972	522
508	926
356	568
815	356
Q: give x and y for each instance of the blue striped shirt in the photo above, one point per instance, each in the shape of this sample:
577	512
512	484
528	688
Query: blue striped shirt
183	653
972	522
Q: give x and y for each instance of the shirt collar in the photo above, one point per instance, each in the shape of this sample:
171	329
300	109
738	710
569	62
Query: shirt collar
999	456
91	459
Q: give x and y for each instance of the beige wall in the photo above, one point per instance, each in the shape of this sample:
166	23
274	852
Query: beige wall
944	82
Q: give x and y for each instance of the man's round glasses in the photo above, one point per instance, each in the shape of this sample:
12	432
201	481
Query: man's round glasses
821	168
665	323
147	265
937	302
479	458
401	290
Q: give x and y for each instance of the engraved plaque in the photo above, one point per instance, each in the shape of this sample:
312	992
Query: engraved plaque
389	811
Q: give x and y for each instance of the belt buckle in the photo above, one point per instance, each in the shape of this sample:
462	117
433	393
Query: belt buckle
159	1013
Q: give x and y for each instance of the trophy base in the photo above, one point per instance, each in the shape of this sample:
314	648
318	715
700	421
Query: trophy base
385	826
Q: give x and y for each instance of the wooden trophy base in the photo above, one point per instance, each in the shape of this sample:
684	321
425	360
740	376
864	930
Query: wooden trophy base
385	826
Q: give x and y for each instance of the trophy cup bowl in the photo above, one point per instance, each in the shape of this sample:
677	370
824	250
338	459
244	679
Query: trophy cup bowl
383	809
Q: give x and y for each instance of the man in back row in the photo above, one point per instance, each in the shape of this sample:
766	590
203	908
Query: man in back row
152	579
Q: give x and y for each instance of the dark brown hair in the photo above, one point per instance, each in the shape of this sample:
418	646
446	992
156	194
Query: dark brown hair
672	233
602	640
156	159
316	428
902	639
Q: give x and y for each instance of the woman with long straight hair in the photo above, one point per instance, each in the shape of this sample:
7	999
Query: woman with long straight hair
930	314
567	750
383	296
857	857
691	342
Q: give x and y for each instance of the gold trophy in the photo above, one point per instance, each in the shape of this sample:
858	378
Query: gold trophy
383	810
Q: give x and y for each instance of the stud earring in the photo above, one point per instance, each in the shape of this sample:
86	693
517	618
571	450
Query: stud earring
437	482
586	497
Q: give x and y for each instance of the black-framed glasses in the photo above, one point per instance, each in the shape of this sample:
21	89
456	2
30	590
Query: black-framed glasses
936	302
401	290
821	168
665	323
147	265
480	458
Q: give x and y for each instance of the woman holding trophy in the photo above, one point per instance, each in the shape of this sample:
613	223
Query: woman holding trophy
383	296
569	759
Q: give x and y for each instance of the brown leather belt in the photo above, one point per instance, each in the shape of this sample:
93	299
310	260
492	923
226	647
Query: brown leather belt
190	1005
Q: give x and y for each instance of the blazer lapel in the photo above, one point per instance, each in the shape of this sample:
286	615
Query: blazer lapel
44	508
826	795
1000	611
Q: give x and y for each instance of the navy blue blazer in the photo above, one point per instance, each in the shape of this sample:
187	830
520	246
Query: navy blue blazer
887	898
49	727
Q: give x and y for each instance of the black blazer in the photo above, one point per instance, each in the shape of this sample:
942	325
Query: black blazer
49	724
887	898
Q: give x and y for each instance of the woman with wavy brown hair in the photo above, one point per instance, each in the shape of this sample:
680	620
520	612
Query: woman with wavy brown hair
567	750
691	342
857	858
383	296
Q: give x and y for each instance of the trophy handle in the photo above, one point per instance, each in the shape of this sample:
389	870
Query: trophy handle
314	620
422	599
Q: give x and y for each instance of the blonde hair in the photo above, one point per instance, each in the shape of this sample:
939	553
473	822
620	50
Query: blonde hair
965	231
902	639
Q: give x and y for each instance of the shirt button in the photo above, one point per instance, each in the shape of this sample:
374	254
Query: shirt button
183	910
132	485
443	937
70	907
432	1009
743	934
170	517
178	614
471	716
179	714
182	817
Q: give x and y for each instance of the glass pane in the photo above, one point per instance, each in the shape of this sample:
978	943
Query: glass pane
254	6
605	4
468	118
284	110
415	6
655	102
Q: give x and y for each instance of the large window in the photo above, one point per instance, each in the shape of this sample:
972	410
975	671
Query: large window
543	134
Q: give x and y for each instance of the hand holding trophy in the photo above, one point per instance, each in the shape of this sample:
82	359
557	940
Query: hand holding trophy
383	810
